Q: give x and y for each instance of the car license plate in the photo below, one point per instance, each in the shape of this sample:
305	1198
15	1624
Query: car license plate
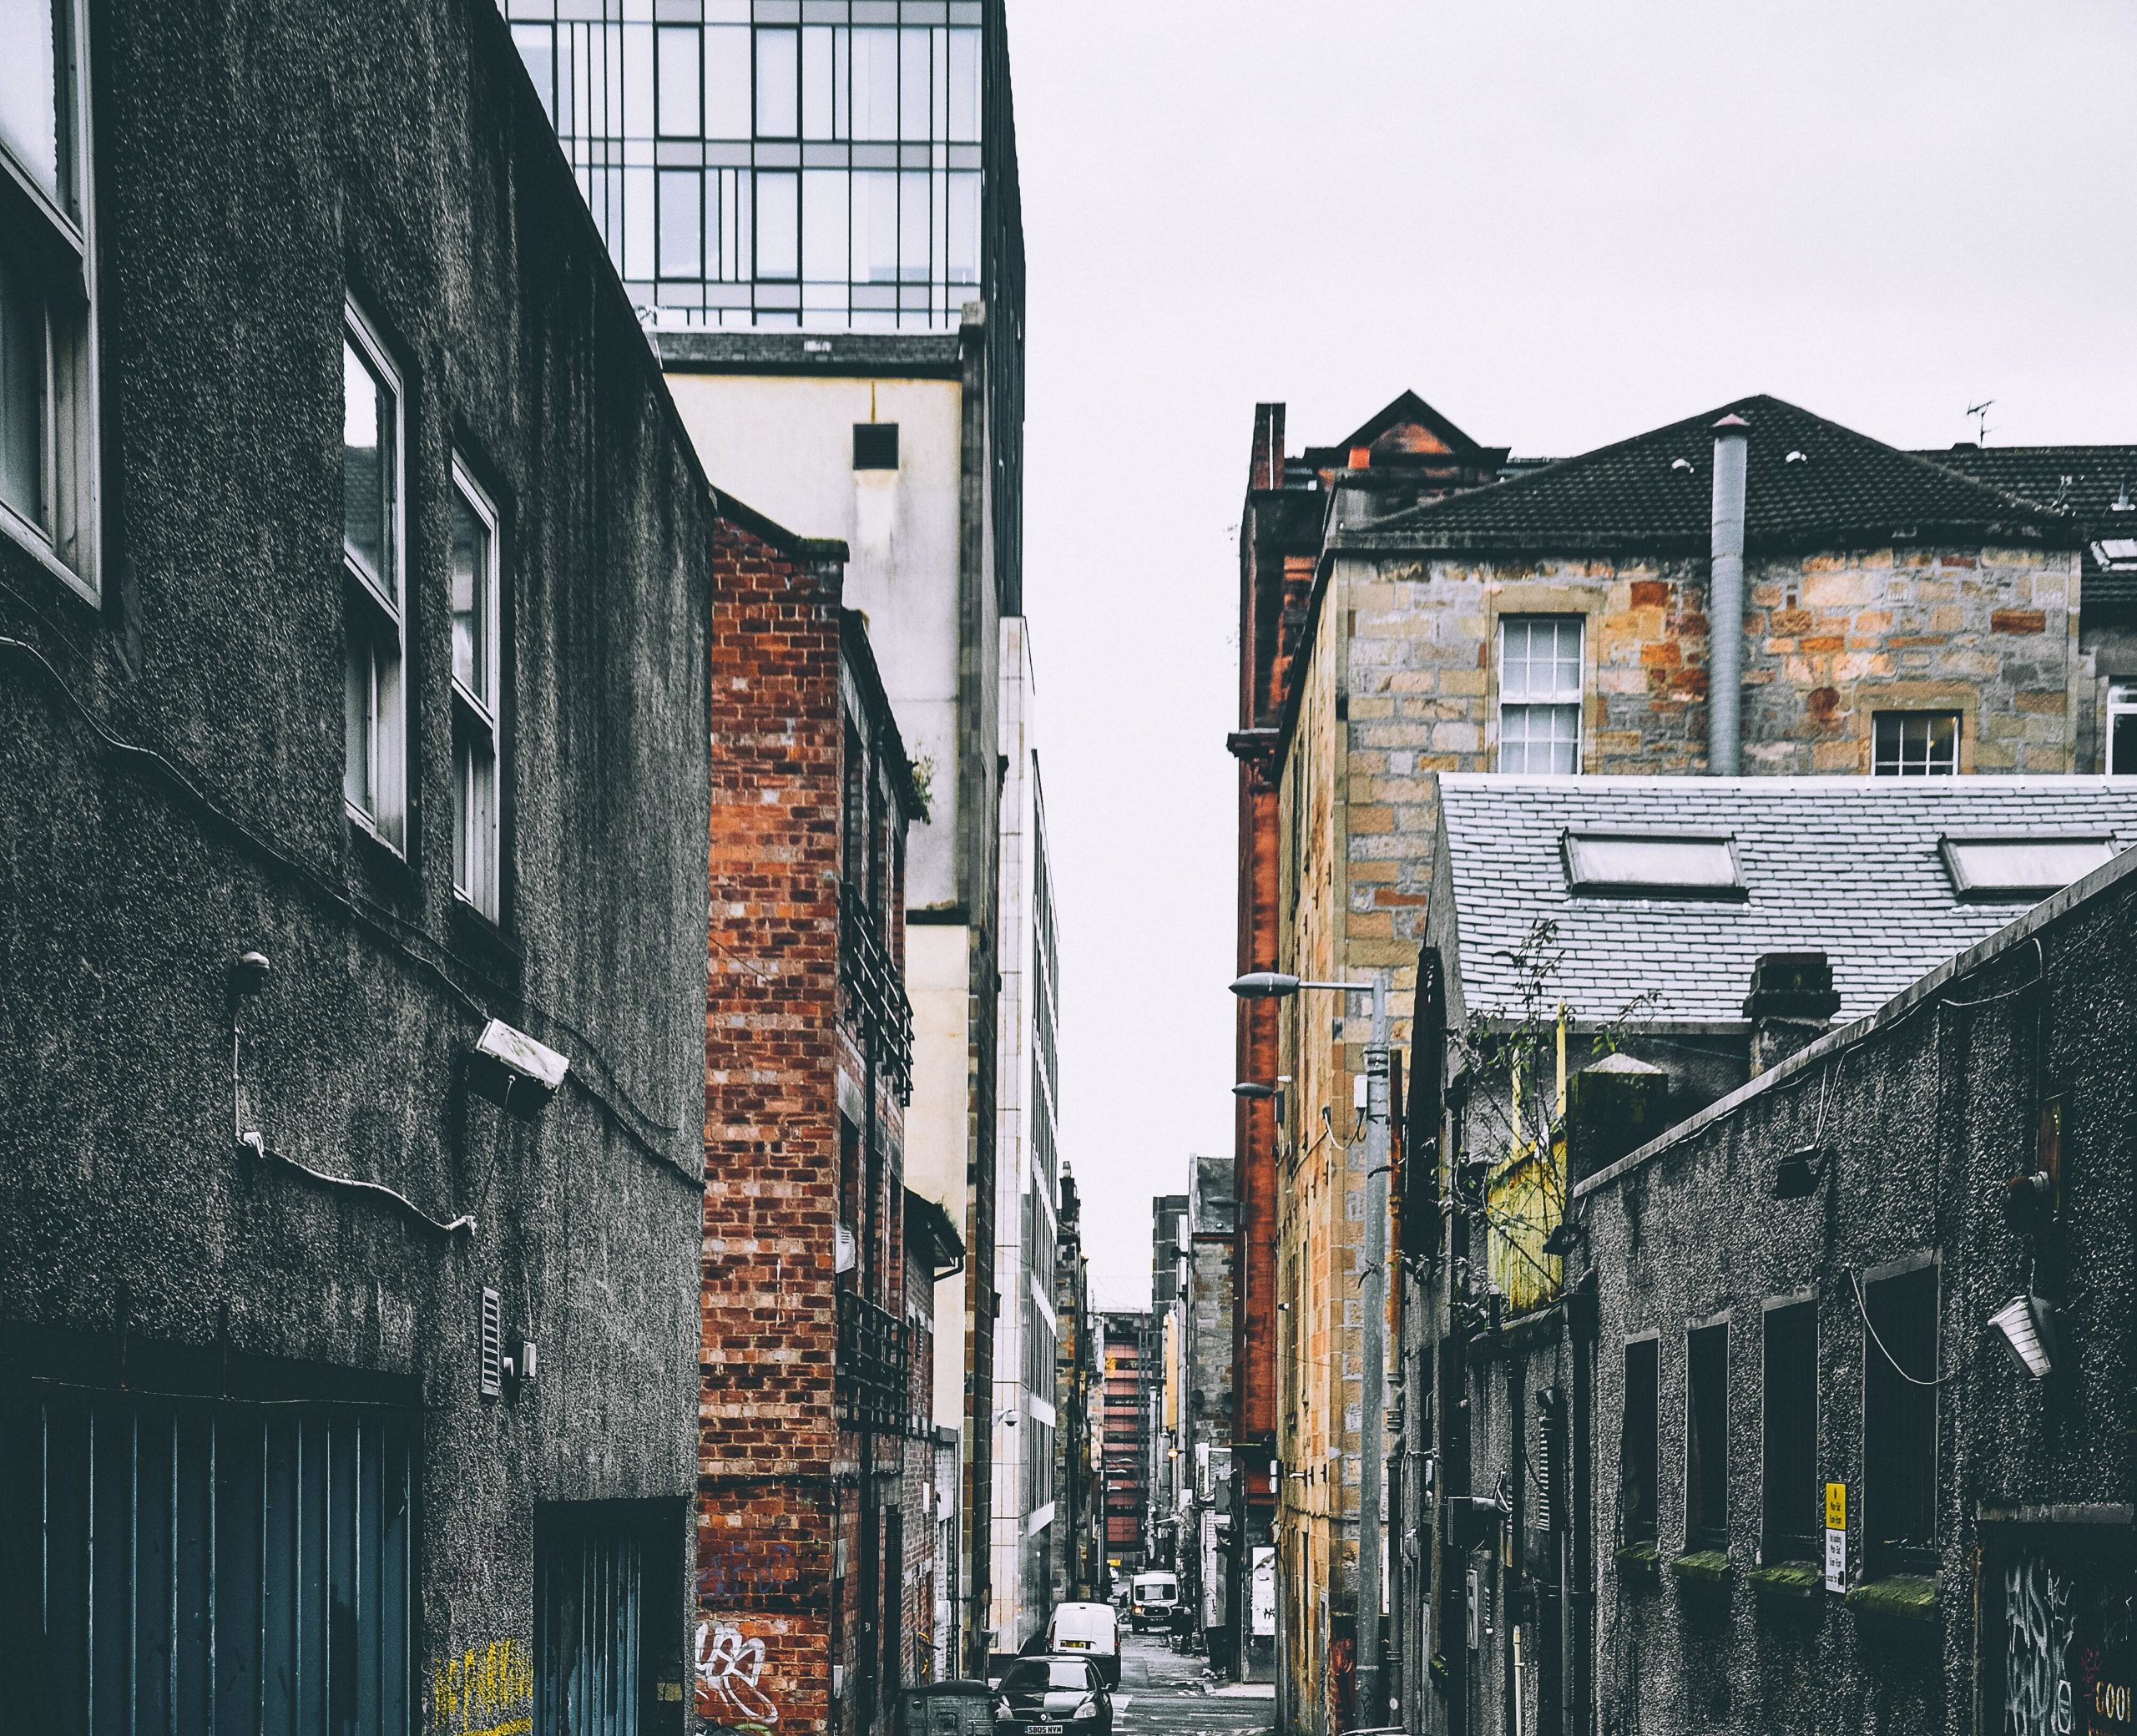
1042	1730
1076	1645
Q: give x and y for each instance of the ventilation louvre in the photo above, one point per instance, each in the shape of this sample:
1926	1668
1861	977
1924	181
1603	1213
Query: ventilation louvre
492	1345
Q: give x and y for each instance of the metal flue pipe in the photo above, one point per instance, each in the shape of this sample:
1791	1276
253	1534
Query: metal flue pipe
1725	698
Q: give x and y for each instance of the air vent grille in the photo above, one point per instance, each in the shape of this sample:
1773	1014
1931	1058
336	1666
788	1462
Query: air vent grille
492	1347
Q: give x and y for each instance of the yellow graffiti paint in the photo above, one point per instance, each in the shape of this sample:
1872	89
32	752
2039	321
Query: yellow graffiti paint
478	1692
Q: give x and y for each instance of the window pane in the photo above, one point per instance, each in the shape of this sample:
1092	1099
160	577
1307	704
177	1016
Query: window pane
778	69
816	104
1706	1439
912	226
472	606
1637	1458
22	393
1899	1419
778	221
360	710
537	46
639	231
823	235
638	81
1915	744
682	249
368	463
679	64
964	227
912	85
1791	1493
1544	740
727	81
875	227
2122	731
964	85
30	112
875	84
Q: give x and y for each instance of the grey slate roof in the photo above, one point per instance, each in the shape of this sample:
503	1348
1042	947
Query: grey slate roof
2097	484
1656	492
1848	867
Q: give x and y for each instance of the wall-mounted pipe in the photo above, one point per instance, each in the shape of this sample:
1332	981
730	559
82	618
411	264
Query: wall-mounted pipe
1725	698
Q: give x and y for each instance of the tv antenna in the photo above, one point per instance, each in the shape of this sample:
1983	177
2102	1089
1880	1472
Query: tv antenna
1979	412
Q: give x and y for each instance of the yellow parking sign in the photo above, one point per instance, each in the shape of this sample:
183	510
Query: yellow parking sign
1835	1507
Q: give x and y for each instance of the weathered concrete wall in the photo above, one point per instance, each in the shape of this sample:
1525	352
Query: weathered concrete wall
251	167
1925	1110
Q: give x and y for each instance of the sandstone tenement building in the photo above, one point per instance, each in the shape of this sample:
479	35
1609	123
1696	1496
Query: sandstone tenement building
1413	602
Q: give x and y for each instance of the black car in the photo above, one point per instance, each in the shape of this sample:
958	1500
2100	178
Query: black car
1057	1696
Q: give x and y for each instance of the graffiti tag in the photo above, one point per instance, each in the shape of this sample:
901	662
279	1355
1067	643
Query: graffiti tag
487	1691
730	1669
2036	1691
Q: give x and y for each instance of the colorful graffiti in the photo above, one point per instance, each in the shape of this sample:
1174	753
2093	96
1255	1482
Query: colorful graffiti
730	1691
487	1691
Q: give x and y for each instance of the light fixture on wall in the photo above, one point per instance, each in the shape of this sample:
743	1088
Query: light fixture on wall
2027	1325
1564	1239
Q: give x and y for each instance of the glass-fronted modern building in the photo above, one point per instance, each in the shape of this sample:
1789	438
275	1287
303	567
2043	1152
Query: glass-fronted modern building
828	164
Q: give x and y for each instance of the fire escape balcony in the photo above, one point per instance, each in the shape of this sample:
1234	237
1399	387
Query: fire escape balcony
875	996
874	1367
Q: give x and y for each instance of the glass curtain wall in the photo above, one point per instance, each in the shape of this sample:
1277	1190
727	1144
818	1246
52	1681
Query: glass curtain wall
773	163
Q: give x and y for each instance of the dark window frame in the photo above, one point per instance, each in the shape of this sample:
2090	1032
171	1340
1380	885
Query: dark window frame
1788	1468
1706	1435
1900	1304
1639	1443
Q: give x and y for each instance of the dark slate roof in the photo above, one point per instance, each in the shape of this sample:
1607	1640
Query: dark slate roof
1654	492
1848	867
2096	484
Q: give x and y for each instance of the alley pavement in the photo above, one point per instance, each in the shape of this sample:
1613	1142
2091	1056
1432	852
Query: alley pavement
1164	1693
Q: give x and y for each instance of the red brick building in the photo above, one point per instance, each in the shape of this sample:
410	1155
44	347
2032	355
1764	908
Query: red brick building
814	1574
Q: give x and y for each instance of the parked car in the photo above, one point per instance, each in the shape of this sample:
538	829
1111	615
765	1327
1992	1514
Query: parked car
1093	1629
1151	1597
1063	1696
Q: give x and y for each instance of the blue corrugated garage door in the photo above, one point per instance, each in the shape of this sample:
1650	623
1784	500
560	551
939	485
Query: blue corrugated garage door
180	1567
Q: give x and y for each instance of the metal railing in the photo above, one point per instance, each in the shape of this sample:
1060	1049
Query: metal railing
873	1370
876	992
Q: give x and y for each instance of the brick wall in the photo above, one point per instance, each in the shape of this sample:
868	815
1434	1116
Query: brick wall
787	1493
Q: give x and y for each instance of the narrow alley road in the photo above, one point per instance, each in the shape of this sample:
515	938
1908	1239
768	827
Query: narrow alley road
1163	1693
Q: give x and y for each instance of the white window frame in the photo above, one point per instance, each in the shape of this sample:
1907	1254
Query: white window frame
477	737
377	623
2121	702
69	549
1930	767
1572	699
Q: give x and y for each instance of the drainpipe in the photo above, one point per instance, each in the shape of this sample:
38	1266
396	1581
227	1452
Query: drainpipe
1724	728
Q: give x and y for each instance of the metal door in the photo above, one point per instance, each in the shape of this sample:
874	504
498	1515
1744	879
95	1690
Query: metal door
587	1579
203	1567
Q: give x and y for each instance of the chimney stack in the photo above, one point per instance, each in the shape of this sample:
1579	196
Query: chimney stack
1792	1003
1724	697
1265	471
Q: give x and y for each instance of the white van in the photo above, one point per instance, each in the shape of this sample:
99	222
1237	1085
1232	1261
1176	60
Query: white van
1151	1597
1089	1630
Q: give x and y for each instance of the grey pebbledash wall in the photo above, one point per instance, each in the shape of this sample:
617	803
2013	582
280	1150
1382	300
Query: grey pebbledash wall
1930	1105
171	796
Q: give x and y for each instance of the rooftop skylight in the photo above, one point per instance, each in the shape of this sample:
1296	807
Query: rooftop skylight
1653	865
2008	866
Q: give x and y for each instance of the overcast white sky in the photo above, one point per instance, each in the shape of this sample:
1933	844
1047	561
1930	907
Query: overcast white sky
1560	223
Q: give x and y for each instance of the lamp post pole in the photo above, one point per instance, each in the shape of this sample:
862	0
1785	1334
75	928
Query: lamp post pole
1372	1290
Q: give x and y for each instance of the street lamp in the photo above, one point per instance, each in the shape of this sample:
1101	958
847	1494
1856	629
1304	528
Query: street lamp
1373	1292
